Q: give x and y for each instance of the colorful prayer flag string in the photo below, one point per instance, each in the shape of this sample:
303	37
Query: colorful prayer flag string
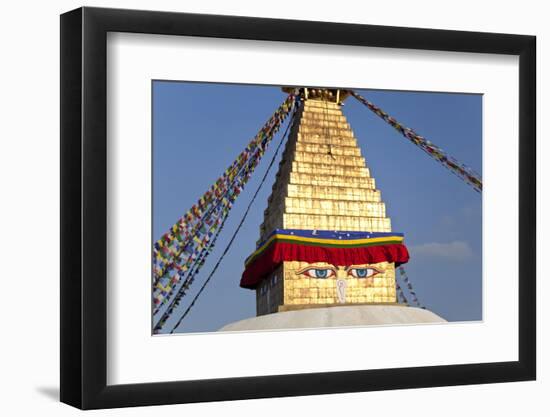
409	286
177	271
197	259
235	233
180	247
401	296
467	174
182	237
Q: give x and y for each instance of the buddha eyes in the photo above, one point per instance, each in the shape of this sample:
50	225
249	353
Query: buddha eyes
322	273
319	273
362	272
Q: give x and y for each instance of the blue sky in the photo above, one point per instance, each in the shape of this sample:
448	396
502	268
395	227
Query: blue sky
200	128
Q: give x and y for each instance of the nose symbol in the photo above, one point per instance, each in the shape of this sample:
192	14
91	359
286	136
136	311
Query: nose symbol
341	286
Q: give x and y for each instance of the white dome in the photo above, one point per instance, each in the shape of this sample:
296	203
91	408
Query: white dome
337	316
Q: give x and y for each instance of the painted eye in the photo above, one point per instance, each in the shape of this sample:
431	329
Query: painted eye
319	273
363	272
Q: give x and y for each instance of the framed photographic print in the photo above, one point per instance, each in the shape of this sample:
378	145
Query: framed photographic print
257	208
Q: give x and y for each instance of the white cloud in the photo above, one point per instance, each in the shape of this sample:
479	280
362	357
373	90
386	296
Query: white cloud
456	251
467	213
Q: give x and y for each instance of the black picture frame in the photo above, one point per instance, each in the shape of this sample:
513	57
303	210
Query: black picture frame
84	207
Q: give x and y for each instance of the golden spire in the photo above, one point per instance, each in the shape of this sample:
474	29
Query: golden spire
323	183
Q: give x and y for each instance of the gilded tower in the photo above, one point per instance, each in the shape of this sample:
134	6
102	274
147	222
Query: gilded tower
325	239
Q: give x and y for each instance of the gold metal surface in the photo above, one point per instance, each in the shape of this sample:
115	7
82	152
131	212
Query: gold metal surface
323	183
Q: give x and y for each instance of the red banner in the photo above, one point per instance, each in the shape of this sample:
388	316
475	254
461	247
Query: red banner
283	251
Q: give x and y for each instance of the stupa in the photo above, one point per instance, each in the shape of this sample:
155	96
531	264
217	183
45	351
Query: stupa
327	254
